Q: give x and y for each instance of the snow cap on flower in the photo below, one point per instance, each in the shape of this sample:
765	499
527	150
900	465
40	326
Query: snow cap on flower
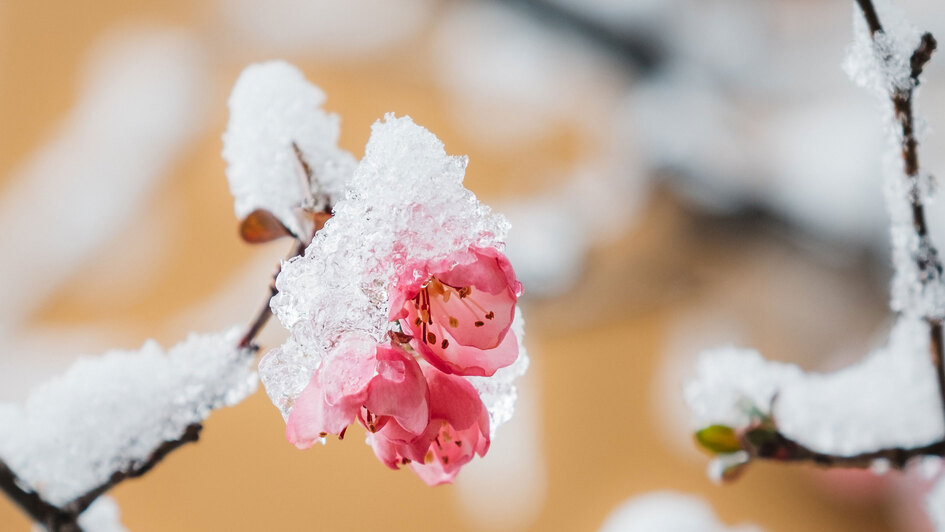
405	209
273	110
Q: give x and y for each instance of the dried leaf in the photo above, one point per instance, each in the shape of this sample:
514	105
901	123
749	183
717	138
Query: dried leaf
262	226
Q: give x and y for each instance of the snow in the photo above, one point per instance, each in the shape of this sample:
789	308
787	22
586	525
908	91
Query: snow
666	511
273	106
404	205
889	399
107	413
732	383
102	516
880	63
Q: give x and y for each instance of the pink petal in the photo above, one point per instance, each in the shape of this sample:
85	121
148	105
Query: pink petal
459	426
311	417
434	474
450	451
479	319
345	375
392	444
454	400
399	390
469	361
490	272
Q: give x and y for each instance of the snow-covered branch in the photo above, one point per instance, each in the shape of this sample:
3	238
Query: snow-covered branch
886	410
114	417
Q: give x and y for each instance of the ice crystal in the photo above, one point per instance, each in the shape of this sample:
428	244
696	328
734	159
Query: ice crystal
272	107
107	413
405	205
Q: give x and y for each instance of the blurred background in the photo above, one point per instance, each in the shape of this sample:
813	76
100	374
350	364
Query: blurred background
681	174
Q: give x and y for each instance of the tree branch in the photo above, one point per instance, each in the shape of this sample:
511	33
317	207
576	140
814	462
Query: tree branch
777	447
869	12
930	268
51	517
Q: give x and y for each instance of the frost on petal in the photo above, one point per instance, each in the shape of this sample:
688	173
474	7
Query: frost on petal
273	106
404	206
108	412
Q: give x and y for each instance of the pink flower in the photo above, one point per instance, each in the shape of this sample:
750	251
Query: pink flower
457	431
459	316
374	383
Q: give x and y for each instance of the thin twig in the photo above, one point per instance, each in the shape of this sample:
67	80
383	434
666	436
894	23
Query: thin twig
265	312
767	443
930	268
869	12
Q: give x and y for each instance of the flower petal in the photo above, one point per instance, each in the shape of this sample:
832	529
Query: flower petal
345	375
490	272
474	317
311	417
469	361
399	390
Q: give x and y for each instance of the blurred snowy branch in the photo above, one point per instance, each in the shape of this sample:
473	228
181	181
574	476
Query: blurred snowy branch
888	409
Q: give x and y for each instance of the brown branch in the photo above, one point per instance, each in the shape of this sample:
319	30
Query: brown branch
777	447
66	518
265	312
869	12
930	268
50	516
